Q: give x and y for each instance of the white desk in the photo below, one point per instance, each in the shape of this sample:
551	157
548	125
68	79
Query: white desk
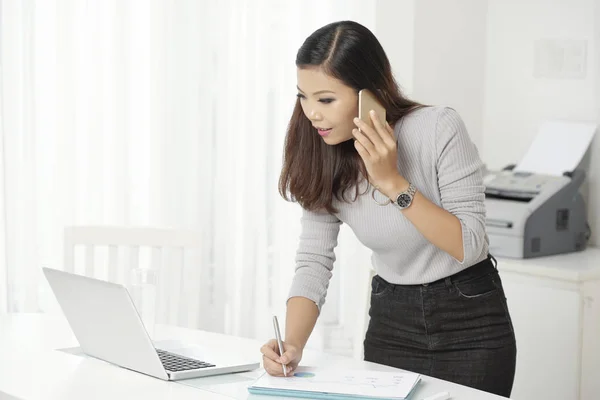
32	368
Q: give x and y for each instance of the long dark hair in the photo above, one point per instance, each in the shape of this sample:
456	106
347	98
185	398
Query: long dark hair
314	172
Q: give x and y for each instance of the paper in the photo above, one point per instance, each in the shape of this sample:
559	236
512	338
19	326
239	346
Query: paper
557	148
373	384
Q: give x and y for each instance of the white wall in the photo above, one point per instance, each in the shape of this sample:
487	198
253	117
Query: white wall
449	57
394	27
516	102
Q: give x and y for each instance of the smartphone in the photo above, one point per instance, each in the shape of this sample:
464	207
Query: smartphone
367	102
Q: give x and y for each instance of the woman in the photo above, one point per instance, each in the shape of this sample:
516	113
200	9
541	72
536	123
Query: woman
413	194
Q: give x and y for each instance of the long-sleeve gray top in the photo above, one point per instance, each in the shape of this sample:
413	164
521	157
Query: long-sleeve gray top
436	154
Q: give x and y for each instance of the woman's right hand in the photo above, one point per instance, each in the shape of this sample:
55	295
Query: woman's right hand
272	362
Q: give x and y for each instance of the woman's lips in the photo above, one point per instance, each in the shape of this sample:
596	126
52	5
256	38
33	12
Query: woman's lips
324	132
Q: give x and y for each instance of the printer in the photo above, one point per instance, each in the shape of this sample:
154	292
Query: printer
533	215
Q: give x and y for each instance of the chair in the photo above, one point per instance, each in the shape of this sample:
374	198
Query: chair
179	291
360	329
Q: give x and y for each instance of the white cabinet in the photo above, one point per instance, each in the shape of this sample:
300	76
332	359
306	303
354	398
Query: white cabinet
547	324
555	306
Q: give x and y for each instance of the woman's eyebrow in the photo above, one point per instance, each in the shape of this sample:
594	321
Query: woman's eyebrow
315	93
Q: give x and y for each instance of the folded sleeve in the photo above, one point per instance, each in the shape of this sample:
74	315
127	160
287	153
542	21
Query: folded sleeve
315	256
460	179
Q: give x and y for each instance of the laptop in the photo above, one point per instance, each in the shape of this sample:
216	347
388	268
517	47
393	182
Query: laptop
107	325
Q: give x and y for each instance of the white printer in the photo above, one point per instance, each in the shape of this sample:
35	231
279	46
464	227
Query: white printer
532	215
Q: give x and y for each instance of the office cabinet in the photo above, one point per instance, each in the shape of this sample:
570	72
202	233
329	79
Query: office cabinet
555	307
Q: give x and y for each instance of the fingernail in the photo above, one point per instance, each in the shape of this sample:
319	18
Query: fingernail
356	119
372	112
283	360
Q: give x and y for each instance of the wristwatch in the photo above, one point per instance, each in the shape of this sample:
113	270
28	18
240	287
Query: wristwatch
405	199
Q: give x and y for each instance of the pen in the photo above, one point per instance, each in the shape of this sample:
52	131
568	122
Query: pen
439	396
279	343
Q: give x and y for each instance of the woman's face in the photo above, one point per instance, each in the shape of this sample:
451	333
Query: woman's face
328	103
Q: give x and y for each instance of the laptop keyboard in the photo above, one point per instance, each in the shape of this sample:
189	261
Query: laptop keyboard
174	362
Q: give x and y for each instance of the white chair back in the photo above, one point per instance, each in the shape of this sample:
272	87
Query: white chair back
112	252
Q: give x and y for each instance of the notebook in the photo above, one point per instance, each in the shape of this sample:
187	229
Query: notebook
319	383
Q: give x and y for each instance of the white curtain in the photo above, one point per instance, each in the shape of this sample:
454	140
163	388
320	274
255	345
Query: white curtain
155	113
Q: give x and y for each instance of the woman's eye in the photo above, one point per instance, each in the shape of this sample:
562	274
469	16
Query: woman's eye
326	101
300	96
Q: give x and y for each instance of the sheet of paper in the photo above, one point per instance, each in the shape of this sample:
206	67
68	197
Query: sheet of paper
347	382
558	147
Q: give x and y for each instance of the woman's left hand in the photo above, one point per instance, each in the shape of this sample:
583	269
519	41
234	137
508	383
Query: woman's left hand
378	149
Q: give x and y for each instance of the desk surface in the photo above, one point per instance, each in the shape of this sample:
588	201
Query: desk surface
578	267
32	368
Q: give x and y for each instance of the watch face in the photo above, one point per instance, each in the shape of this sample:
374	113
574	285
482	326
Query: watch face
404	200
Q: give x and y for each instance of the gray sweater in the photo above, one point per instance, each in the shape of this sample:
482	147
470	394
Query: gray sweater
436	154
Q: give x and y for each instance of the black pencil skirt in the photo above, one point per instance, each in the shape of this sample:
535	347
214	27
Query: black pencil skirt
457	329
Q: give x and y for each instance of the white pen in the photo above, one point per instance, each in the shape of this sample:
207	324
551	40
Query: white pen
279	343
439	396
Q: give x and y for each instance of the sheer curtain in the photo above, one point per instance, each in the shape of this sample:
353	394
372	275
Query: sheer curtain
155	113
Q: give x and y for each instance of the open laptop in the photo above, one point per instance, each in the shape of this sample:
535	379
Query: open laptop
107	325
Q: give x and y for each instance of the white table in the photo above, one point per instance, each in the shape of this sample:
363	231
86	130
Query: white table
32	368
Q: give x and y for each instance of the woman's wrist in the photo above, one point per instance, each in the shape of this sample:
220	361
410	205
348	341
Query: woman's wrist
393	187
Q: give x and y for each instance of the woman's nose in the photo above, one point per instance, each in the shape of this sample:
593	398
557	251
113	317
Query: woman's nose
315	116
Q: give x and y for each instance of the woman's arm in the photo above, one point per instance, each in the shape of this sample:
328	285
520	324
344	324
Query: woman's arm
458	226
314	263
301	318
437	225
